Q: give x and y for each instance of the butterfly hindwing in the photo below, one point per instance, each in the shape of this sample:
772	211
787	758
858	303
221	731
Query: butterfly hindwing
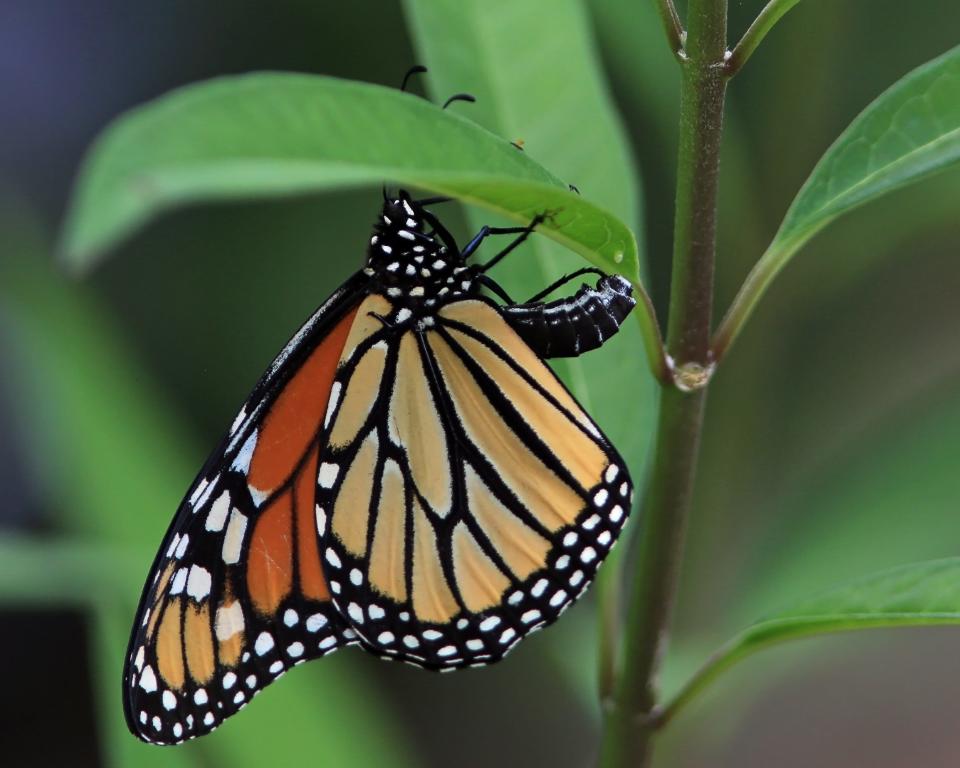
468	498
237	593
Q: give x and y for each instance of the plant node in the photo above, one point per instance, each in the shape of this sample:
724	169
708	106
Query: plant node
691	377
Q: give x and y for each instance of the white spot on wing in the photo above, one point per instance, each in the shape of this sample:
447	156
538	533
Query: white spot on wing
355	612
238	421
316	622
241	462
179	582
233	540
229	621
201	487
198	582
217	515
333	402
263	644
205	494
327	475
148	680
321	520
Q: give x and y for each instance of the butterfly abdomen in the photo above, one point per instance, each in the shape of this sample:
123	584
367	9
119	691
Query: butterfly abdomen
571	326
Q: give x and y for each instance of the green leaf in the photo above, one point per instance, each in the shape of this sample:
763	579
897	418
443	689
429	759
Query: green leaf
909	132
921	594
535	81
274	134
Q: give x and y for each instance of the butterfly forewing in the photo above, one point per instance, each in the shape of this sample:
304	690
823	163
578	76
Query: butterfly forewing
238	594
468	499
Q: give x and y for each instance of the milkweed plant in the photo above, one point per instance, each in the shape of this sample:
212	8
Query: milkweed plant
263	135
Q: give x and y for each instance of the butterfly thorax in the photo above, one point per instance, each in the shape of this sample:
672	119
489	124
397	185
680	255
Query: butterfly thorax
413	260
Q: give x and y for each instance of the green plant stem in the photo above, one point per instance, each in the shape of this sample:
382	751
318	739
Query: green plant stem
753	288
765	21
671	24
652	338
628	715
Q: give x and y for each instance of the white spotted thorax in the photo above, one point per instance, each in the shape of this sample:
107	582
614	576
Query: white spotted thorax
415	261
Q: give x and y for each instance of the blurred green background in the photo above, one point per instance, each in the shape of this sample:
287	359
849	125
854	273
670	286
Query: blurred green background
832	437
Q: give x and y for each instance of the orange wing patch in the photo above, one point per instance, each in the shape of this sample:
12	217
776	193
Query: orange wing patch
270	561
294	419
312	582
240	595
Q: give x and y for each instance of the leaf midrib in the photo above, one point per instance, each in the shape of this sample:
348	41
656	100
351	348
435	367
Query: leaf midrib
830	209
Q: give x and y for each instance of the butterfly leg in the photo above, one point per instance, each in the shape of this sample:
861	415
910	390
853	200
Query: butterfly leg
522	232
488	282
563	281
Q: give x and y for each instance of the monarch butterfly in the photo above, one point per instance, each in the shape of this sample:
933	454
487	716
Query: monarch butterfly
408	475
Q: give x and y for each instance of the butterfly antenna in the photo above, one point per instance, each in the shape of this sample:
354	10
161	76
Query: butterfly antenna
459	97
416	69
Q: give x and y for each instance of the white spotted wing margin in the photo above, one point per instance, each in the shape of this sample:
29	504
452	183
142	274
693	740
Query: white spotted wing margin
489	498
200	649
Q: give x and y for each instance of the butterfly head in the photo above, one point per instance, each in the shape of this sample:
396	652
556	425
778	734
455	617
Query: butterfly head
413	256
